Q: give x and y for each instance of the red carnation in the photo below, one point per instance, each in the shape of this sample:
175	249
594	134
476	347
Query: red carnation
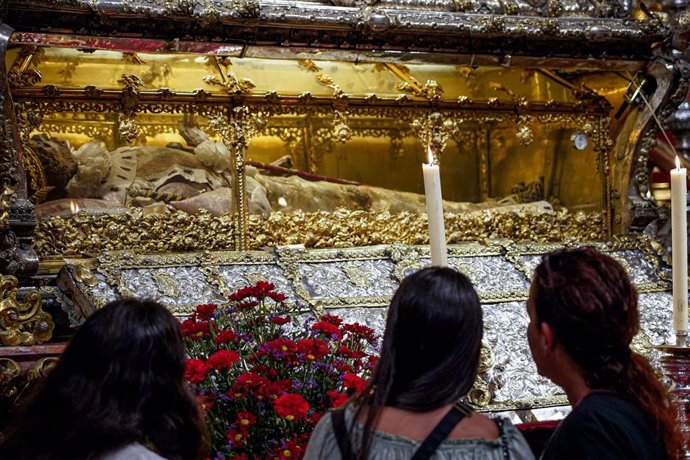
346	352
337	398
280	320
247	304
205	311
291	407
354	382
314	418
332	319
194	330
196	370
365	332
225	337
277	296
343	368
223	359
326	328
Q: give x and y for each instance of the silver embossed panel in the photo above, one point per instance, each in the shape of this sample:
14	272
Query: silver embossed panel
656	317
492	273
638	267
356	278
174	286
238	276
513	370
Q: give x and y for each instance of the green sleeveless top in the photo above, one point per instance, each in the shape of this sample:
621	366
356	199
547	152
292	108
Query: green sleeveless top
386	446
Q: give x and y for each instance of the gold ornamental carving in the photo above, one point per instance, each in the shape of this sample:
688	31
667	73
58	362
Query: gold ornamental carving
22	323
6	198
83	234
23	72
9	378
229	80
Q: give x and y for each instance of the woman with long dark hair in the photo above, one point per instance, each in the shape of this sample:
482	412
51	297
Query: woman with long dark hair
583	317
117	392
428	363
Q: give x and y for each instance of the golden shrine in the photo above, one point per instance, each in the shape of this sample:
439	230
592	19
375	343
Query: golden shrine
177	149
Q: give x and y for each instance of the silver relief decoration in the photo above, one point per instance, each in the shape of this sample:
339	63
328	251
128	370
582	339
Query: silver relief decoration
178	286
238	276
656	317
358	283
513	370
489	274
360	278
639	268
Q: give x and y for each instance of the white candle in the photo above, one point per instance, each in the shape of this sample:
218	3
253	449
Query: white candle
434	211
679	232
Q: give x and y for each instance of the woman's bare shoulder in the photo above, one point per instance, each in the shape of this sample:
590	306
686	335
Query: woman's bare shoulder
476	426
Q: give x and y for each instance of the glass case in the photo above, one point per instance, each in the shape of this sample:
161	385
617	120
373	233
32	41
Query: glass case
166	152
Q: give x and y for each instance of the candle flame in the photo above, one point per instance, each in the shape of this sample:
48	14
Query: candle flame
74	207
677	162
430	155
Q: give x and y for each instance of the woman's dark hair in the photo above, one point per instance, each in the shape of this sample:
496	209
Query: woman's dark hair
589	302
119	381
430	351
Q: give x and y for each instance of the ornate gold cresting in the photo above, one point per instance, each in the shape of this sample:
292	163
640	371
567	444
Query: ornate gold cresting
22	323
23	72
435	131
85	234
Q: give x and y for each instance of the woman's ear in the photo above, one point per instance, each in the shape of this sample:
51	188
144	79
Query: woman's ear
547	336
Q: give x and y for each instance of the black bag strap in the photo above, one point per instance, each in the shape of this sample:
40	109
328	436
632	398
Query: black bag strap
441	431
340	430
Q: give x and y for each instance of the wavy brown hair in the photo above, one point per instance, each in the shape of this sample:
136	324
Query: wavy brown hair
588	300
119	381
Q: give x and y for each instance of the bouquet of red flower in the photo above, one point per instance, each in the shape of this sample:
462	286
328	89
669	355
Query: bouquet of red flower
265	374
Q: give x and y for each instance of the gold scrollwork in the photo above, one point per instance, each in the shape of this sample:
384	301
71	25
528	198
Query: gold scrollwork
22	323
214	278
6	198
36	174
9	375
85	276
22	73
480	394
166	285
254	277
82	233
229	80
434	132
356	276
129	132
40	369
